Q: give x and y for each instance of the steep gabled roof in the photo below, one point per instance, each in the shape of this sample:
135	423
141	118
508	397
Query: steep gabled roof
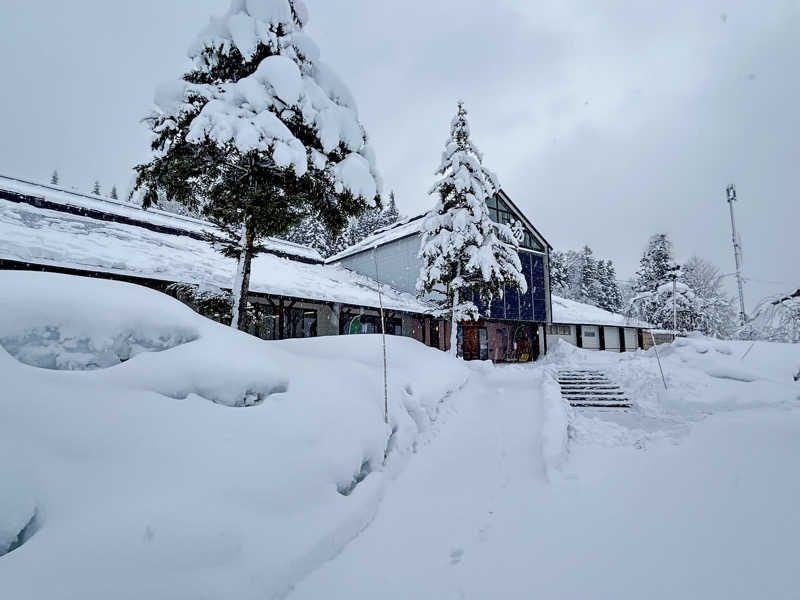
413	226
398	231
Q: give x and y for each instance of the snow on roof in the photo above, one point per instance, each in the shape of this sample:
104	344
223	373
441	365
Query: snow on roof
570	312
52	238
400	230
73	199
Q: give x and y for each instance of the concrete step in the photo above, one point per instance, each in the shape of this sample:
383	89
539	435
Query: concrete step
587	387
591	388
593	404
592	393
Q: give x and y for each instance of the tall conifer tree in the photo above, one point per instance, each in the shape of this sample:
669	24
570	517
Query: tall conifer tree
259	135
463	251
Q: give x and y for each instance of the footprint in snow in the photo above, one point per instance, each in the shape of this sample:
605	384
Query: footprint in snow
456	555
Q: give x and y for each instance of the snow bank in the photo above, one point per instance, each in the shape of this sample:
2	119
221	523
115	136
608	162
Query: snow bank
146	482
555	422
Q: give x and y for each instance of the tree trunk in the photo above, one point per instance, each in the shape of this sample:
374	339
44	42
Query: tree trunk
454	326
241	281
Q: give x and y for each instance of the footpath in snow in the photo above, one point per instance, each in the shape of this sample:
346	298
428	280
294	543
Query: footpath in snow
691	494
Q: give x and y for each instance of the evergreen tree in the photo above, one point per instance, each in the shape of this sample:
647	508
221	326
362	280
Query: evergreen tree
612	296
54	178
391	215
463	252
657	297
260	135
312	233
96	188
114	195
559	273
589	286
715	312
370	222
655	264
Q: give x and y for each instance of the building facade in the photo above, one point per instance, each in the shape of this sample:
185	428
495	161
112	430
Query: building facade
511	329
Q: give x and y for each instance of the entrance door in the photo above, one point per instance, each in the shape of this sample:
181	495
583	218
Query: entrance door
472	342
435	335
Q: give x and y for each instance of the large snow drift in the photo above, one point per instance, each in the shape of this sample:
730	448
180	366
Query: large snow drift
163	455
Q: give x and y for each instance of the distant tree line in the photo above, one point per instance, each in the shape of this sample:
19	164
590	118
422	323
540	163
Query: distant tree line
581	276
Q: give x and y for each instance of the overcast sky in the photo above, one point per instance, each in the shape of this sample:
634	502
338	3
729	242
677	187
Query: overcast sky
606	121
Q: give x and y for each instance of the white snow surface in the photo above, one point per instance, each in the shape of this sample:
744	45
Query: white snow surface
571	312
46	237
71	198
209	464
690	494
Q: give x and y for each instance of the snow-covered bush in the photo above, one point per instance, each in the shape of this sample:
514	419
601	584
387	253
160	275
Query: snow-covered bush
776	319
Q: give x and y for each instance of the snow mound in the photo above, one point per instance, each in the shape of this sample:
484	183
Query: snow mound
711	356
136	494
69	326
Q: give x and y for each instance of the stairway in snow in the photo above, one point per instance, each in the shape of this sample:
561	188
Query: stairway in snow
585	387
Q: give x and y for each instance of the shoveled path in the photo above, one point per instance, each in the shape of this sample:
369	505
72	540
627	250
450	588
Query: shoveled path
709	512
441	529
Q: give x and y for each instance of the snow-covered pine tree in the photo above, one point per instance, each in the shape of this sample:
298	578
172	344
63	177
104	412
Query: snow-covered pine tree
390	214
114	195
261	134
312	233
716	313
655	264
54	178
589	286
463	251
96	188
612	293
559	273
677	297
655	269
364	226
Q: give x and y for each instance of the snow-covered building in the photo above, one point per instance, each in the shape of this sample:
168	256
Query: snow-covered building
511	329
294	292
50	228
594	328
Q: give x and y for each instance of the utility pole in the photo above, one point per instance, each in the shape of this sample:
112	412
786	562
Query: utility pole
737	252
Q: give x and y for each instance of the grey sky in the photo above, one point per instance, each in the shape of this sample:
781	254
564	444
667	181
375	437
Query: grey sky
606	121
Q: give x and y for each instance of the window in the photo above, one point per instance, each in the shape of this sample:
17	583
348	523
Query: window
560	330
500	212
297	323
589	333
372	324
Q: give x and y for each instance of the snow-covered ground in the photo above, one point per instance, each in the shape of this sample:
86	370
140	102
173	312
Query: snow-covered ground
161	455
154	454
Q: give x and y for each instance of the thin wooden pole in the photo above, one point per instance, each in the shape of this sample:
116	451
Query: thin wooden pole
655	347
383	337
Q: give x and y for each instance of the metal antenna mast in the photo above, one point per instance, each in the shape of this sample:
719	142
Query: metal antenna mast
737	251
